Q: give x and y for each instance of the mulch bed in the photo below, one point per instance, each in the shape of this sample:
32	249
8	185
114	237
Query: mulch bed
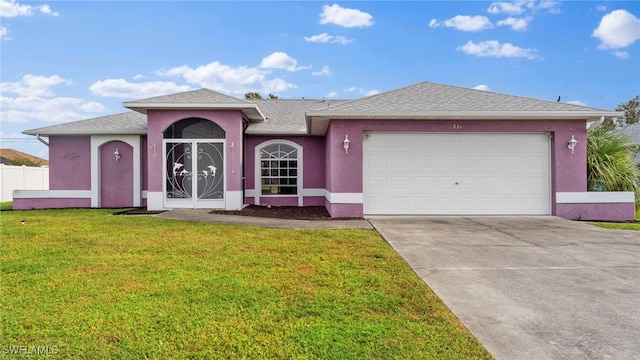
275	212
138	211
281	212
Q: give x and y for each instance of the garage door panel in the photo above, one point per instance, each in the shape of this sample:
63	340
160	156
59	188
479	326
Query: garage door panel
495	173
400	184
377	183
377	162
444	182
399	162
422	182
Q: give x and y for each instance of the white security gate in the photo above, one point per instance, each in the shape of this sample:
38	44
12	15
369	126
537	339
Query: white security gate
444	173
194	174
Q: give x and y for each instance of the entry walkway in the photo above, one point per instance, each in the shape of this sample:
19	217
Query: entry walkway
205	216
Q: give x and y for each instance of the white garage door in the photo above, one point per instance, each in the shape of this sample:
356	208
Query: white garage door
483	174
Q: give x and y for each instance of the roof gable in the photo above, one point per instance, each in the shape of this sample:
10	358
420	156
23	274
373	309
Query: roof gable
202	99
200	96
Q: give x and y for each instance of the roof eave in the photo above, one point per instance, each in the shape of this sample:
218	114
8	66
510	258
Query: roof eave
318	122
251	111
275	132
83	133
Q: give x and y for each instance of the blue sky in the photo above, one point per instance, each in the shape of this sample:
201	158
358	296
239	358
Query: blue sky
63	61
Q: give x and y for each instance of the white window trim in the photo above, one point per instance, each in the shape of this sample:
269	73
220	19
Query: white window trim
257	172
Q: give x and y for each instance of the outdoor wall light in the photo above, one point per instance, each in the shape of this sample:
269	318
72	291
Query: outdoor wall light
116	154
345	144
572	144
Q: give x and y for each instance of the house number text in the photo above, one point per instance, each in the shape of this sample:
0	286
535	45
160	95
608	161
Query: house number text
457	127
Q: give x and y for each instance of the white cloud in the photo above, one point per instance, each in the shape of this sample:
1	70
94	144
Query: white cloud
518	24
228	79
601	7
32	85
494	48
10	8
331	94
45	9
280	60
326	38
25	109
464	23
621	54
361	91
336	14
512	8
577	102
324	72
617	29
36	101
4	33
121	88
520	6
482	87
138	77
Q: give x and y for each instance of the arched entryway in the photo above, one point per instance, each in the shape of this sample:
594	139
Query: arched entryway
194	164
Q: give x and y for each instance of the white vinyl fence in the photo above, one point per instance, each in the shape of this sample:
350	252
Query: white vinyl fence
22	178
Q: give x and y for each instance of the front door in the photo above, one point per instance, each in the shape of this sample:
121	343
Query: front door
194	174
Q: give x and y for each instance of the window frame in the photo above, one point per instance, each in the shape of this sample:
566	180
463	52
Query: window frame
258	170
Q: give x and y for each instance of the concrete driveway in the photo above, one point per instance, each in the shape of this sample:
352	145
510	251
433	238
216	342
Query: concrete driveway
530	287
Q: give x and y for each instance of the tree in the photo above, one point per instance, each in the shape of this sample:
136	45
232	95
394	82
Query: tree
252	95
631	111
610	161
19	161
256	95
608	124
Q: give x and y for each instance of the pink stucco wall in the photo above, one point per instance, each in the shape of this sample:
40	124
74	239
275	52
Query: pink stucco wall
69	163
116	178
229	121
344	171
313	175
50	203
599	212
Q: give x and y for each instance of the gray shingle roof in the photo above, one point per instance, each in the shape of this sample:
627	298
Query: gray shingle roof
197	99
633	130
287	116
124	123
427	97
423	100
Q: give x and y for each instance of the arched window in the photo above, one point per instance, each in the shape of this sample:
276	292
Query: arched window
194	128
279	169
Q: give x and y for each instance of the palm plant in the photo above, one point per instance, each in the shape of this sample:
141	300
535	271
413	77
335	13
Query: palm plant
610	161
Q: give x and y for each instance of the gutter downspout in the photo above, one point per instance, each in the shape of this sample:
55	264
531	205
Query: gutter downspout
42	140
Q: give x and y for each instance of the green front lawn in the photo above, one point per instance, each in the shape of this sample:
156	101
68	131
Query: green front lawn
86	284
6	205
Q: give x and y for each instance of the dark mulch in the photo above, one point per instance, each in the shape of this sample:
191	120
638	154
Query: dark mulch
138	211
281	212
275	212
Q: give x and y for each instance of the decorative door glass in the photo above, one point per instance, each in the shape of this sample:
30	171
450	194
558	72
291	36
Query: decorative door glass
194	172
